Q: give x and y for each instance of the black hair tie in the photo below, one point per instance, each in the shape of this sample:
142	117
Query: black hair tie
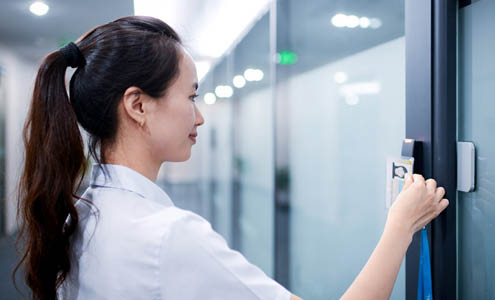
73	55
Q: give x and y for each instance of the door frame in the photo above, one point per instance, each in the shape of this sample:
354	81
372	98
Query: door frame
431	100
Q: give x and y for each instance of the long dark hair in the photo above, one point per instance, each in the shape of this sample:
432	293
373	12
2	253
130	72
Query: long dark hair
131	51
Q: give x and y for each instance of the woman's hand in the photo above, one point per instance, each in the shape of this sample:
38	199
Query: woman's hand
418	203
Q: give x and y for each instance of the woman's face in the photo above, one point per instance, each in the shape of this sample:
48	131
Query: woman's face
174	119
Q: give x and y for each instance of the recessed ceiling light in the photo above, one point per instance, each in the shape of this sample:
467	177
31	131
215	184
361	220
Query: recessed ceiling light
339	20
39	8
239	81
364	22
253	74
224	91
210	98
375	23
340	77
352	21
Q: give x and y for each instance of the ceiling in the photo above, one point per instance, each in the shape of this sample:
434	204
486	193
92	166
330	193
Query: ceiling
33	36
305	29
207	28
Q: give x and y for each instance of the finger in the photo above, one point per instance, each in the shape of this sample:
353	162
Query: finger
428	217
408	181
442	205
431	185
439	193
418	178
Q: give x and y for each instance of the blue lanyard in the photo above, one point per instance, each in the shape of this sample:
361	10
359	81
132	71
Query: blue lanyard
424	280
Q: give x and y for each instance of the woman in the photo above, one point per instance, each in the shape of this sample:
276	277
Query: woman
133	92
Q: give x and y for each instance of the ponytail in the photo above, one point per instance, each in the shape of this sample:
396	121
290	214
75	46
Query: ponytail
53	171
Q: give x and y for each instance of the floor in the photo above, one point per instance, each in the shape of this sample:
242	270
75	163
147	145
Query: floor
8	260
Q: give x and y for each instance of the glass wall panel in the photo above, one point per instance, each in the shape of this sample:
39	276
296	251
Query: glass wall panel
238	131
343	64
2	152
254	145
216	147
476	120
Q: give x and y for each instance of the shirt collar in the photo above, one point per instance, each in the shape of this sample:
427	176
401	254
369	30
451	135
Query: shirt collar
122	177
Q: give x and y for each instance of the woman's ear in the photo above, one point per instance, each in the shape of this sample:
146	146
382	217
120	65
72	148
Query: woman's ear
134	104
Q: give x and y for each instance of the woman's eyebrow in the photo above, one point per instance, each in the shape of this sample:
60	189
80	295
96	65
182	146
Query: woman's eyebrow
195	86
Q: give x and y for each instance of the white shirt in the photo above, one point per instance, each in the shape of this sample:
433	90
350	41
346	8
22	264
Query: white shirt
135	244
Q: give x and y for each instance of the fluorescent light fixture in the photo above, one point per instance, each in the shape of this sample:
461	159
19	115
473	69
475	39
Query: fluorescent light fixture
210	98
340	77
213	31
239	81
253	74
224	91
202	68
39	8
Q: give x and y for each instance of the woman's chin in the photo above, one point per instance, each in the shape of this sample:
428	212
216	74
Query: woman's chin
184	157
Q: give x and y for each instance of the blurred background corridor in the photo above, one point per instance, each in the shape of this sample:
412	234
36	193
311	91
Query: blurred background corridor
303	102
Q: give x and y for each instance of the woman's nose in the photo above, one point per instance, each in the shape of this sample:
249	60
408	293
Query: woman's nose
199	118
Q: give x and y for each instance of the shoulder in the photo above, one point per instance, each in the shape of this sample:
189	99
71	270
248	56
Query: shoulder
191	233
192	252
117	216
184	221
120	206
104	196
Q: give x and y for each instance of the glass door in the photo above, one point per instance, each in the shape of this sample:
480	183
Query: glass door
476	123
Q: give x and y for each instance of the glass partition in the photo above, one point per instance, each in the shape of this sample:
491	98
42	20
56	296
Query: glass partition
254	145
476	120
3	101
340	83
216	146
342	64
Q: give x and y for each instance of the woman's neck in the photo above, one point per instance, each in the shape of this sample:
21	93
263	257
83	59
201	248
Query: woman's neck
133	156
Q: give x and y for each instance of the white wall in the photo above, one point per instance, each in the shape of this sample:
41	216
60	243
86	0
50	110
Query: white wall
19	79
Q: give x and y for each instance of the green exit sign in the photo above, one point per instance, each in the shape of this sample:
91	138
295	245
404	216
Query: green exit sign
286	58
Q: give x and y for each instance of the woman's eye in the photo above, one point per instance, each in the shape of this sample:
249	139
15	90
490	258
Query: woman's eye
193	97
